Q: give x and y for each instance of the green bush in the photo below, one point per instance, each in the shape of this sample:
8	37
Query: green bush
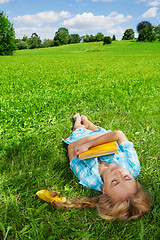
74	38
34	41
7	36
157	31
99	37
21	45
142	25
107	40
128	34
56	43
61	36
48	43
114	38
146	32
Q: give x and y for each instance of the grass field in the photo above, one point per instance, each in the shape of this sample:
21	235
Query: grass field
118	87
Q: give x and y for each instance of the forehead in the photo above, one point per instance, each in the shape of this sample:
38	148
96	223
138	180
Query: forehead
122	190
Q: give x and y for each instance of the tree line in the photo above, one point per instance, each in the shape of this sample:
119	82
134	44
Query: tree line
8	42
62	37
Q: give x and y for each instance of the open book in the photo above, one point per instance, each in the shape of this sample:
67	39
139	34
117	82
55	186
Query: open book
100	150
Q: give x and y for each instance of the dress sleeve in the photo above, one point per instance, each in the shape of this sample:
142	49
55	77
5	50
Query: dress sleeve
79	168
131	157
87	173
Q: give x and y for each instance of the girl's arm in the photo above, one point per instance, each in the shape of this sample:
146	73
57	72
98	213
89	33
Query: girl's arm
80	142
118	136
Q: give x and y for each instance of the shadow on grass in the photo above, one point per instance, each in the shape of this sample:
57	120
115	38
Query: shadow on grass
36	160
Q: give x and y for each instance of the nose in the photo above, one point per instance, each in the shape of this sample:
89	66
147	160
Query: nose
119	174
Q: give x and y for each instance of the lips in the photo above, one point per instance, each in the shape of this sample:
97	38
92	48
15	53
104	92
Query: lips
114	168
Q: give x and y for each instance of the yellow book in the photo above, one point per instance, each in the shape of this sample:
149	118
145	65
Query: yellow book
100	150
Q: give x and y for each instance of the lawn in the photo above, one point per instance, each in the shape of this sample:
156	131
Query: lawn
118	87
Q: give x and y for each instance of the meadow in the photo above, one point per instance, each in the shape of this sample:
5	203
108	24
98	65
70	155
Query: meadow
118	87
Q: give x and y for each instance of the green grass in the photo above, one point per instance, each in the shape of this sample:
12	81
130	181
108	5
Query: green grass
117	87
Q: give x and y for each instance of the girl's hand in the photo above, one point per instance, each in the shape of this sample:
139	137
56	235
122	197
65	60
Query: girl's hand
82	148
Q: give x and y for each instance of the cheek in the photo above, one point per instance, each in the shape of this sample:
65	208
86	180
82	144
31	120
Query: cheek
106	186
108	178
110	192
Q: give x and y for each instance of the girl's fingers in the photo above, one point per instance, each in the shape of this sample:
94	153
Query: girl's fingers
80	149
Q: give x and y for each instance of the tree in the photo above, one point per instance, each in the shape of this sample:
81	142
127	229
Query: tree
142	25
48	43
21	44
114	38
157	31
34	41
74	38
89	38
146	32
7	36
99	37
107	40
56	42
61	36
25	39
128	34
86	38
92	38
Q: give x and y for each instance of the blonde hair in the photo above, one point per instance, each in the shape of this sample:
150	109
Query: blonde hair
133	207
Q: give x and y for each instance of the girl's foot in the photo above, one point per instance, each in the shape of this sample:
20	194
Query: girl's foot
77	123
85	121
88	124
77	117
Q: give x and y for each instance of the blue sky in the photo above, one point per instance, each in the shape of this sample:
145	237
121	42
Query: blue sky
79	16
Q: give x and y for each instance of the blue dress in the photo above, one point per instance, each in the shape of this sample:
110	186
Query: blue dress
87	170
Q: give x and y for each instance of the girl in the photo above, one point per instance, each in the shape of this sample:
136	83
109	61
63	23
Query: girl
114	174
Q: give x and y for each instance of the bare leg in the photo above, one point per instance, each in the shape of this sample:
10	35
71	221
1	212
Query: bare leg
77	123
88	125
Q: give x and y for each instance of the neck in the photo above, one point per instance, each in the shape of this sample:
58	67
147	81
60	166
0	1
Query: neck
103	172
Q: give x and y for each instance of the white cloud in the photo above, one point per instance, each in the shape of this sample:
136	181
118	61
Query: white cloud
152	12
40	18
42	23
139	1
150	2
47	32
118	31
154	3
102	0
88	21
4	1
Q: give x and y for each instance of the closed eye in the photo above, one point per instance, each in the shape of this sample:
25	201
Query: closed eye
114	183
126	178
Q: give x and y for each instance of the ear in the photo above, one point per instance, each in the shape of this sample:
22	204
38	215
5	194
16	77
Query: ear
103	191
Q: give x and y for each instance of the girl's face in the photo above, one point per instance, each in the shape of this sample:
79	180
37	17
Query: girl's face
118	183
